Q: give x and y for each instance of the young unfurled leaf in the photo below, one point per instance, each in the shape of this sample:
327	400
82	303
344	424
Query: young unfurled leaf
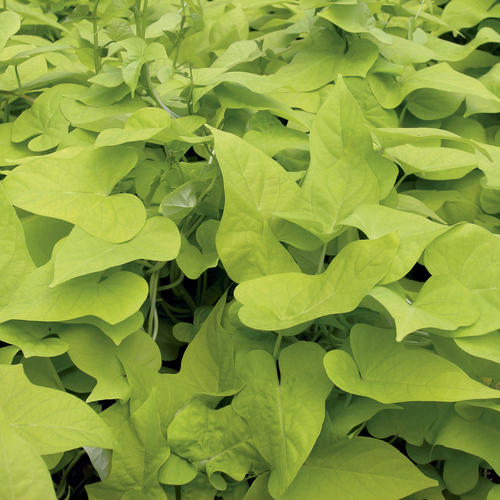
218	440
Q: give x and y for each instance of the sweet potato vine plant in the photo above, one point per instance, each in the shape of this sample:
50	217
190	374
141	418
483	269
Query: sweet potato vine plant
249	249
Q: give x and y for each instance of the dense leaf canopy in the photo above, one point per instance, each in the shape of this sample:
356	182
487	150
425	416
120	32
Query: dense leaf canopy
249	249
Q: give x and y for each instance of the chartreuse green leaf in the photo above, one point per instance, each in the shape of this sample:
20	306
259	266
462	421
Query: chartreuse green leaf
284	416
140	357
75	185
436	163
258	489
269	135
41	234
463	13
284	300
356	468
478	436
471	254
346	412
80	253
442	303
207	368
10	152
354	17
18	456
339	177
208	363
138	53
153	125
255	188
97	118
113	298
461	473
390	91
198	489
176	470
192	261
140	451
44	119
15	260
95	354
7	354
414	232
30	337
483	346
116	332
51	420
10	23
393	372
410	421
220	441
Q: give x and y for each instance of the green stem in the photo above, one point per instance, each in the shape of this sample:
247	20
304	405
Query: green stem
403	177
18	78
62	484
152	92
185	295
143	18
191	87
277	345
321	261
175	283
97	58
179	38
402	115
156	267
153	315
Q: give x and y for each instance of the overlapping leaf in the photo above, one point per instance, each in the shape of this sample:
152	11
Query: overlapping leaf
391	372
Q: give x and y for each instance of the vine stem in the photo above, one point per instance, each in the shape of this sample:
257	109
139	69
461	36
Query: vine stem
97	59
153	314
175	283
321	261
154	95
27	98
277	345
181	28
62	484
